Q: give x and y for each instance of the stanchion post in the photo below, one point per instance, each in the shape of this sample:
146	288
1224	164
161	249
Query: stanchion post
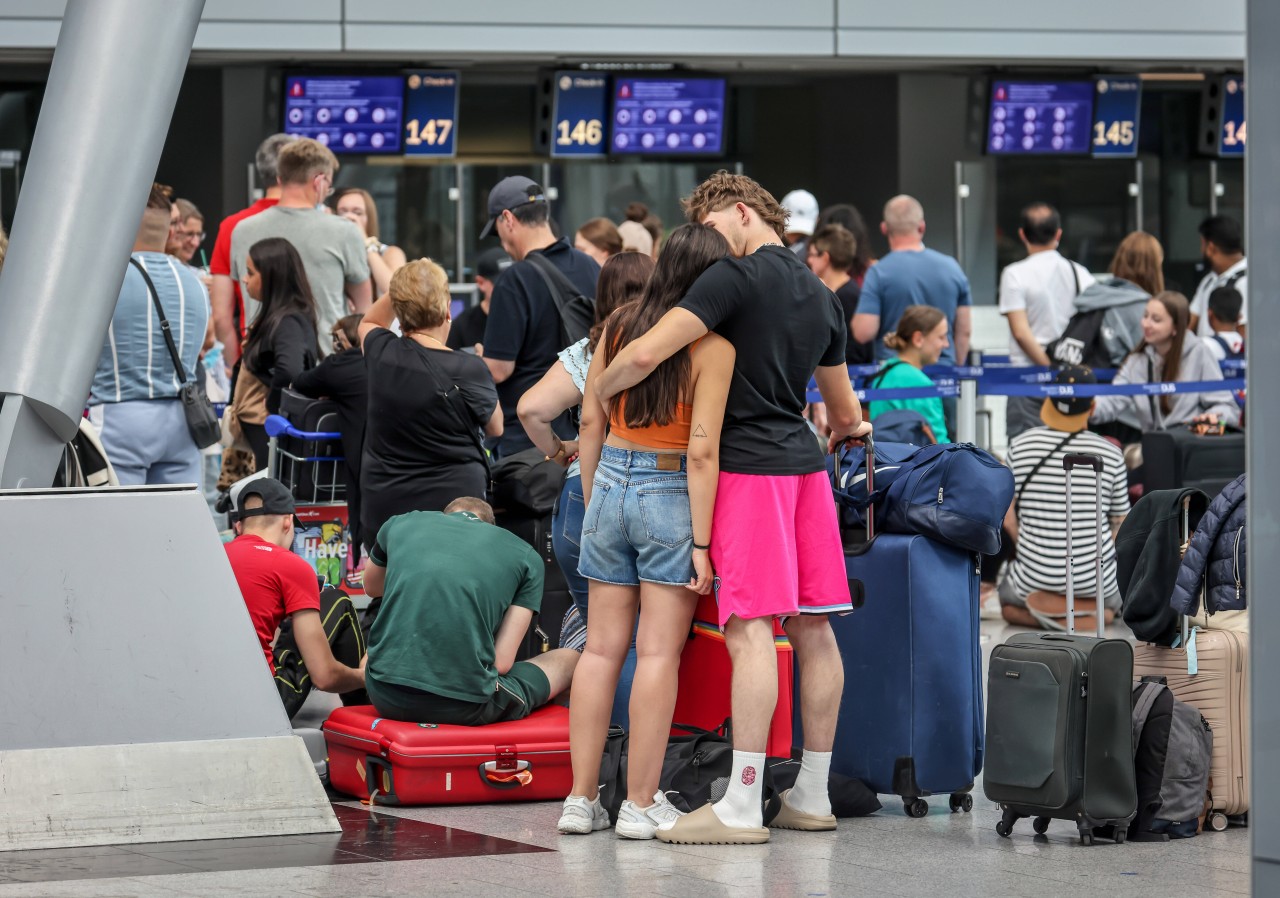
967	407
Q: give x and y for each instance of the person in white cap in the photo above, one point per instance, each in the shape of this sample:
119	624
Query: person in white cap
802	218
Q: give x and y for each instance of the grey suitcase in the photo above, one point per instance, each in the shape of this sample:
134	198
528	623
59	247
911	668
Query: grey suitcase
1059	737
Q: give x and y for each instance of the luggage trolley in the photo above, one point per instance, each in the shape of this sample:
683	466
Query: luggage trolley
309	463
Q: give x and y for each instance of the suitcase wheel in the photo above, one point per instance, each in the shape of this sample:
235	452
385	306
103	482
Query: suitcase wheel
1040	825
1007	820
916	807
961	801
1122	833
1086	838
1218	822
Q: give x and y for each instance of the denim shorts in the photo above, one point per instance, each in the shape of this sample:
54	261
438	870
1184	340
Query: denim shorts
638	526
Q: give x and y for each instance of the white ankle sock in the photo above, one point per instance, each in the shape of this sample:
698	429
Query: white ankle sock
740	806
810	794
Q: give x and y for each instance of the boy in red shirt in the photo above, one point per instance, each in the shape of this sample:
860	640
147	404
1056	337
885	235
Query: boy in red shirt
322	646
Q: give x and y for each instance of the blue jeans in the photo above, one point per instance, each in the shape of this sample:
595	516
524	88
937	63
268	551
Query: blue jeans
566	539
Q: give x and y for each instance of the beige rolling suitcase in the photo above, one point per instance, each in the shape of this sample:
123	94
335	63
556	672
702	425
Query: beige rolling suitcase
1214	679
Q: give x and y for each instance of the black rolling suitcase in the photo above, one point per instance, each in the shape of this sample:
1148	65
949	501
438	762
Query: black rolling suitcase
1177	458
544	632
1059	735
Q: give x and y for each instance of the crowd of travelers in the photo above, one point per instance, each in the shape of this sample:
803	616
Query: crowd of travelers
694	462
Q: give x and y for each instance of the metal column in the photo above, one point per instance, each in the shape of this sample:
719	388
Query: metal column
115	76
1262	183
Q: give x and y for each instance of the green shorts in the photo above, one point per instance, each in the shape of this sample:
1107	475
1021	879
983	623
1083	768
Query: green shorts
519	692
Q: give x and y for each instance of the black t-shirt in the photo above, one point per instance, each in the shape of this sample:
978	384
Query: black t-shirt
855	353
418	455
524	327
468	329
782	321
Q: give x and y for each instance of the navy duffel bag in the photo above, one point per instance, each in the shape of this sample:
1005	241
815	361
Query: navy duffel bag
955	493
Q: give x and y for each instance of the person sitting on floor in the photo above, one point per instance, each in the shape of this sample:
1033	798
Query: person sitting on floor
320	644
1032	592
458	595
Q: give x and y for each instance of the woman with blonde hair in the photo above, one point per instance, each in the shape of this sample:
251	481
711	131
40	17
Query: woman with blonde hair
427	404
356	204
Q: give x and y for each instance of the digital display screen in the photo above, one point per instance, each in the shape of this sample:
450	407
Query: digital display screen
1231	139
581	103
431	114
348	114
1045	117
668	116
1117	107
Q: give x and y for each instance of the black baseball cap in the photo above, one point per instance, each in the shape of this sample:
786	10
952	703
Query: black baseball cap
510	193
276	498
491	263
1069	414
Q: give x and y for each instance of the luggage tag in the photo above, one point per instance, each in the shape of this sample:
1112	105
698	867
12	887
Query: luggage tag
1193	663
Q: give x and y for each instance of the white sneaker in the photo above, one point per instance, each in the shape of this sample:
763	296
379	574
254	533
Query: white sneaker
638	823
581	816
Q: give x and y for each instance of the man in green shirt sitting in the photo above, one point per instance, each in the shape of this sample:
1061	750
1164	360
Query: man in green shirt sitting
458	595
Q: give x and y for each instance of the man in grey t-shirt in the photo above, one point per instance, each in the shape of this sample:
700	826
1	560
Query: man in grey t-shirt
332	248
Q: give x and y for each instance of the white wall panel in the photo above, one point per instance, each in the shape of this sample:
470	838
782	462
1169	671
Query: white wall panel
596	42
1040	46
266	37
273	10
665	13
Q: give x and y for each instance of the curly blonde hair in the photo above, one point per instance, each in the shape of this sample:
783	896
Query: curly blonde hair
723	189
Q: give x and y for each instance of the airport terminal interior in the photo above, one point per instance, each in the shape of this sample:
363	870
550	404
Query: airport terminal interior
1123	118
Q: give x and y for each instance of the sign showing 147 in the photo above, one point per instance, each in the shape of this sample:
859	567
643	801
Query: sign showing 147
434	131
431	114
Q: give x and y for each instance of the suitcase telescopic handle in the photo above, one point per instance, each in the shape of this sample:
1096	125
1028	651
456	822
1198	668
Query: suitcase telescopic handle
1070	462
870	446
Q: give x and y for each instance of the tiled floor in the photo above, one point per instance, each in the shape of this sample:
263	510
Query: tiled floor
513	850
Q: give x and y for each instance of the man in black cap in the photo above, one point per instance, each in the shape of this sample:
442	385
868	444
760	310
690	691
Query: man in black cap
467	332
1033	589
522	335
320	644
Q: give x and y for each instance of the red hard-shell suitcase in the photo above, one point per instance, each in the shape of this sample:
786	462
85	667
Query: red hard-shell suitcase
703	699
398	763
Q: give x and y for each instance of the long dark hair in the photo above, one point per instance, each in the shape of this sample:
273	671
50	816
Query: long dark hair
689	251
285	291
1179	310
622	280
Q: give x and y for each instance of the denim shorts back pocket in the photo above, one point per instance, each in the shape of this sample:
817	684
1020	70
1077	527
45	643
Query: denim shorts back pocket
591	514
666	516
575	512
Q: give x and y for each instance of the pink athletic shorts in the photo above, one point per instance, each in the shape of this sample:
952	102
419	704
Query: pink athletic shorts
775	545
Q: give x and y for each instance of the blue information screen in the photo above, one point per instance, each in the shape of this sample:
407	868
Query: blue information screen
668	116
1117	103
580	108
1231	137
1051	117
431	114
348	114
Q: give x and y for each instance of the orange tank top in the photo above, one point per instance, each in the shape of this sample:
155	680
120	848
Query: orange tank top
672	435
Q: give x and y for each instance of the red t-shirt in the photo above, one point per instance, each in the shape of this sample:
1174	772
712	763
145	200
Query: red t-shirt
220	263
274	583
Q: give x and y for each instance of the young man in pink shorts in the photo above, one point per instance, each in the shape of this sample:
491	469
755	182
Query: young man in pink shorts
775	540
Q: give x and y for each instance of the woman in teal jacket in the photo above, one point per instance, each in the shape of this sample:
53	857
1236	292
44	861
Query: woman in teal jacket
919	340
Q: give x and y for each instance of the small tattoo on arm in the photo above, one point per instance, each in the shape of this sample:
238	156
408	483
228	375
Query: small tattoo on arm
699	432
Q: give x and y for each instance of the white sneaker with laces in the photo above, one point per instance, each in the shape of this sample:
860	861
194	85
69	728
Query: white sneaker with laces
643	823
581	815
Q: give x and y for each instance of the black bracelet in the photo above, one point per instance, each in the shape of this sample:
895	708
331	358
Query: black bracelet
704	548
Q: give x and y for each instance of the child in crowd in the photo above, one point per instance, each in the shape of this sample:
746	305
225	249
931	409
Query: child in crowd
1227	342
1168	355
650	490
919	340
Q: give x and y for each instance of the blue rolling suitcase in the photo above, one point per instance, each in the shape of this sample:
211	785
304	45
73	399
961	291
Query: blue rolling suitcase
911	721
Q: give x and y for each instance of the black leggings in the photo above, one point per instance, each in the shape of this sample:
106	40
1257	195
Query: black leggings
256	435
346	640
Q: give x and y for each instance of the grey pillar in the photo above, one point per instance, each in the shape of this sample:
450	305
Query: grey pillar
1262	184
107	107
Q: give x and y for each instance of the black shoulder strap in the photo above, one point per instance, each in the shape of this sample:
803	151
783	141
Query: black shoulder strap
164	322
1017	502
1075	275
879	375
452	395
1151	376
1231	281
558	284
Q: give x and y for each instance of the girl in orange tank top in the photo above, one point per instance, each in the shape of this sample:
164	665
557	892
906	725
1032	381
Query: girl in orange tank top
650	463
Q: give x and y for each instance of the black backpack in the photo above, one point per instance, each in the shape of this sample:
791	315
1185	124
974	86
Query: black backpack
1081	342
577	312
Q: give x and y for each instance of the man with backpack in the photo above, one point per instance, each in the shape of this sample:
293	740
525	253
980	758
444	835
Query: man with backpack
1037	297
1222	245
535	302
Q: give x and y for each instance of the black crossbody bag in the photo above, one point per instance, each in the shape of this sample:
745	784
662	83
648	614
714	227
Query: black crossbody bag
202	420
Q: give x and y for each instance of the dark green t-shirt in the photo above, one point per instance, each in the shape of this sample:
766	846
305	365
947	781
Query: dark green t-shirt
450	580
